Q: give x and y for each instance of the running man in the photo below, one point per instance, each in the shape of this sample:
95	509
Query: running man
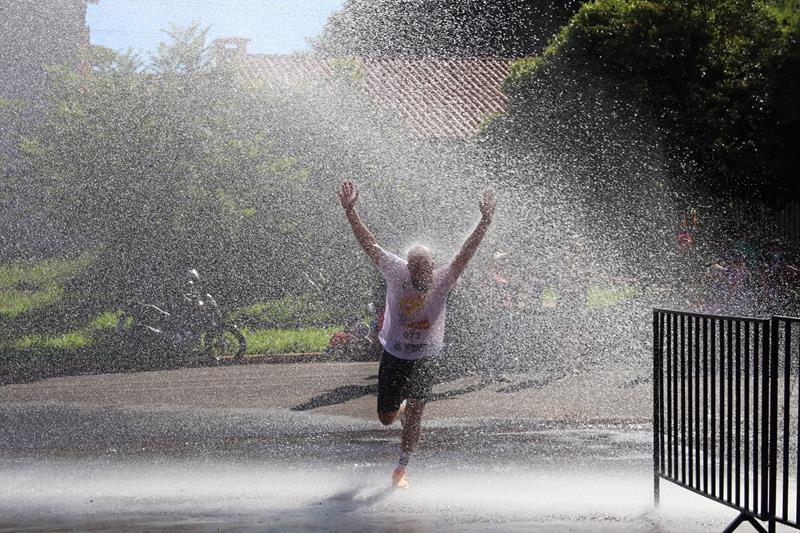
413	326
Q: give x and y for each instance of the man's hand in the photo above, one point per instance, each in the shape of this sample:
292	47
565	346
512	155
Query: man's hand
348	195
487	205
461	259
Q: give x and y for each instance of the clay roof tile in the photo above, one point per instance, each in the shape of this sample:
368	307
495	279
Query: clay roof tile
437	98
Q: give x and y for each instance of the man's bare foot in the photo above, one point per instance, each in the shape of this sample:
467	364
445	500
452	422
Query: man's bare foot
399	480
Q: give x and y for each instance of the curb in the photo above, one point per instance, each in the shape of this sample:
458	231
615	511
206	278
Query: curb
275	358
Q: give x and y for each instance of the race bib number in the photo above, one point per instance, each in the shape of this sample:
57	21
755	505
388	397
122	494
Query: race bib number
409	347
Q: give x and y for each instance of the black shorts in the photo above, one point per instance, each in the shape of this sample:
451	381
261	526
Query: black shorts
399	379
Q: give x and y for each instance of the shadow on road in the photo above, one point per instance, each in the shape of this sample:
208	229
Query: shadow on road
338	395
454	393
346	393
535	384
347	501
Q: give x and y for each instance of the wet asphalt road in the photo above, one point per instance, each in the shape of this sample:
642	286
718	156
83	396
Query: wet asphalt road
295	447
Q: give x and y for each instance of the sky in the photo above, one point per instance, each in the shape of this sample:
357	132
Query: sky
275	26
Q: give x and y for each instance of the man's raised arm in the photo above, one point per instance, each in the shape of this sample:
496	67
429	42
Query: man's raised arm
487	206
348	195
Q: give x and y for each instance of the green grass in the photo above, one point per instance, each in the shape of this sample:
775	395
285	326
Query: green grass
44	272
14	303
28	286
271	340
69	340
107	320
598	297
549	297
286	312
277	341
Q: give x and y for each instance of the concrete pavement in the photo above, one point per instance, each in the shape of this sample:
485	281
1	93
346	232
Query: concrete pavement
349	389
297	447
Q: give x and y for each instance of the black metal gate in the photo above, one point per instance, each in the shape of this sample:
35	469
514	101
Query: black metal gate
725	412
785	507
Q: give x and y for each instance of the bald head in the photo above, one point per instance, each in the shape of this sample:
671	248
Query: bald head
419	252
420	266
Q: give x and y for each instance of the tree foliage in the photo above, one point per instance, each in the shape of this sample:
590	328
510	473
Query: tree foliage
163	168
719	77
185	163
465	28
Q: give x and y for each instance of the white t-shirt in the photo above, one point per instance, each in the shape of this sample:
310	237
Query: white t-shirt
413	322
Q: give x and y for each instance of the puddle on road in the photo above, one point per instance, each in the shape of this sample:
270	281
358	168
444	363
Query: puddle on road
137	496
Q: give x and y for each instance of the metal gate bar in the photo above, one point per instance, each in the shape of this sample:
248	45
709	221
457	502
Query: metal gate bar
712	387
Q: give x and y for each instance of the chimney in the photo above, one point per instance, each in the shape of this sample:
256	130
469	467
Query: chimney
229	49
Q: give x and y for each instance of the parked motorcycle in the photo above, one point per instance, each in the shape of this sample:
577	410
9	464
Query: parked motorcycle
194	322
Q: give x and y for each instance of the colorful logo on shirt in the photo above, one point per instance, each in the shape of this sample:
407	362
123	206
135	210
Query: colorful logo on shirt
411	305
419	324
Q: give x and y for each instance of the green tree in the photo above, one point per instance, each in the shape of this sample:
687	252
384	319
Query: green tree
718	77
159	169
467	28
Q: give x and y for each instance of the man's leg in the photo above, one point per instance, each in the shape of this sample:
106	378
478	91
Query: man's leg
387	417
410	381
426	372
411	430
391	379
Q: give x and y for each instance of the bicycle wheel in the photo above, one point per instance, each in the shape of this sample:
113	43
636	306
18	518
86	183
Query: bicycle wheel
228	343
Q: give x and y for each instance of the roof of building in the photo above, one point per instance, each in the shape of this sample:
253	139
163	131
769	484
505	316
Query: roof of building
437	98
